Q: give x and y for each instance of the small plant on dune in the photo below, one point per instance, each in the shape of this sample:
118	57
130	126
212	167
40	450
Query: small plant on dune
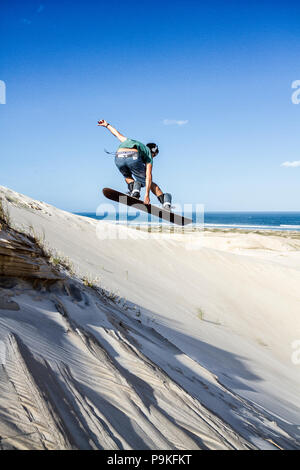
112	296
38	239
200	314
61	261
261	342
54	260
4	213
88	282
11	199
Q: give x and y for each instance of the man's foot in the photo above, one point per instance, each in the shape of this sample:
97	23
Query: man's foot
135	194
166	200
136	190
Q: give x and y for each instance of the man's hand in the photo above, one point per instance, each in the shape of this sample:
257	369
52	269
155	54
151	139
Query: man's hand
102	123
114	131
146	199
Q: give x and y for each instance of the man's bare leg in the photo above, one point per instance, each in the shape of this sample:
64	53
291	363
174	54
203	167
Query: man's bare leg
155	189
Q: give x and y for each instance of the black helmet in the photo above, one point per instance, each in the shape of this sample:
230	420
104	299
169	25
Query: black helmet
153	148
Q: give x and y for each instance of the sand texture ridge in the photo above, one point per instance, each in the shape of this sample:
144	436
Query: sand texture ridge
148	340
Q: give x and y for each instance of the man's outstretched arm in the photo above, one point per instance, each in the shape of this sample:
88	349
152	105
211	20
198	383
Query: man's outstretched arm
114	131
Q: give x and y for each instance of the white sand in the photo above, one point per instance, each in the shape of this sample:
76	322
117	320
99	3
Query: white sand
209	324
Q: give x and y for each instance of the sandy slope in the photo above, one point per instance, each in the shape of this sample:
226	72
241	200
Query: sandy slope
201	358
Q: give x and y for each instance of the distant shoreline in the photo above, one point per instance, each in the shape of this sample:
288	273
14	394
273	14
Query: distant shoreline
221	221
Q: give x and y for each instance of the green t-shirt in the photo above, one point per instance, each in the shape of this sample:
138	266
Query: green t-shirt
143	150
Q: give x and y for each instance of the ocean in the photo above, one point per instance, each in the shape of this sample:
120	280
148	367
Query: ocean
246	220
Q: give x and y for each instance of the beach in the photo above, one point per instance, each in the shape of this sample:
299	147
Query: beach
165	341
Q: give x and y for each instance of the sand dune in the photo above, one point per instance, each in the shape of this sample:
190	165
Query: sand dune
186	343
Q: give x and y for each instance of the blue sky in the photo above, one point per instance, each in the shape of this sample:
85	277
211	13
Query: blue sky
210	82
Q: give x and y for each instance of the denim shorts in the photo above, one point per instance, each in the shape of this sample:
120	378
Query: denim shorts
131	165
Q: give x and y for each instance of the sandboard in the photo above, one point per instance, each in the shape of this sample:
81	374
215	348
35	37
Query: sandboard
160	212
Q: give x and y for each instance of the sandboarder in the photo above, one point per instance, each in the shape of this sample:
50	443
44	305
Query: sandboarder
135	161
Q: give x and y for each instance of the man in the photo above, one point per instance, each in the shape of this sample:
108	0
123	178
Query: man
135	161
